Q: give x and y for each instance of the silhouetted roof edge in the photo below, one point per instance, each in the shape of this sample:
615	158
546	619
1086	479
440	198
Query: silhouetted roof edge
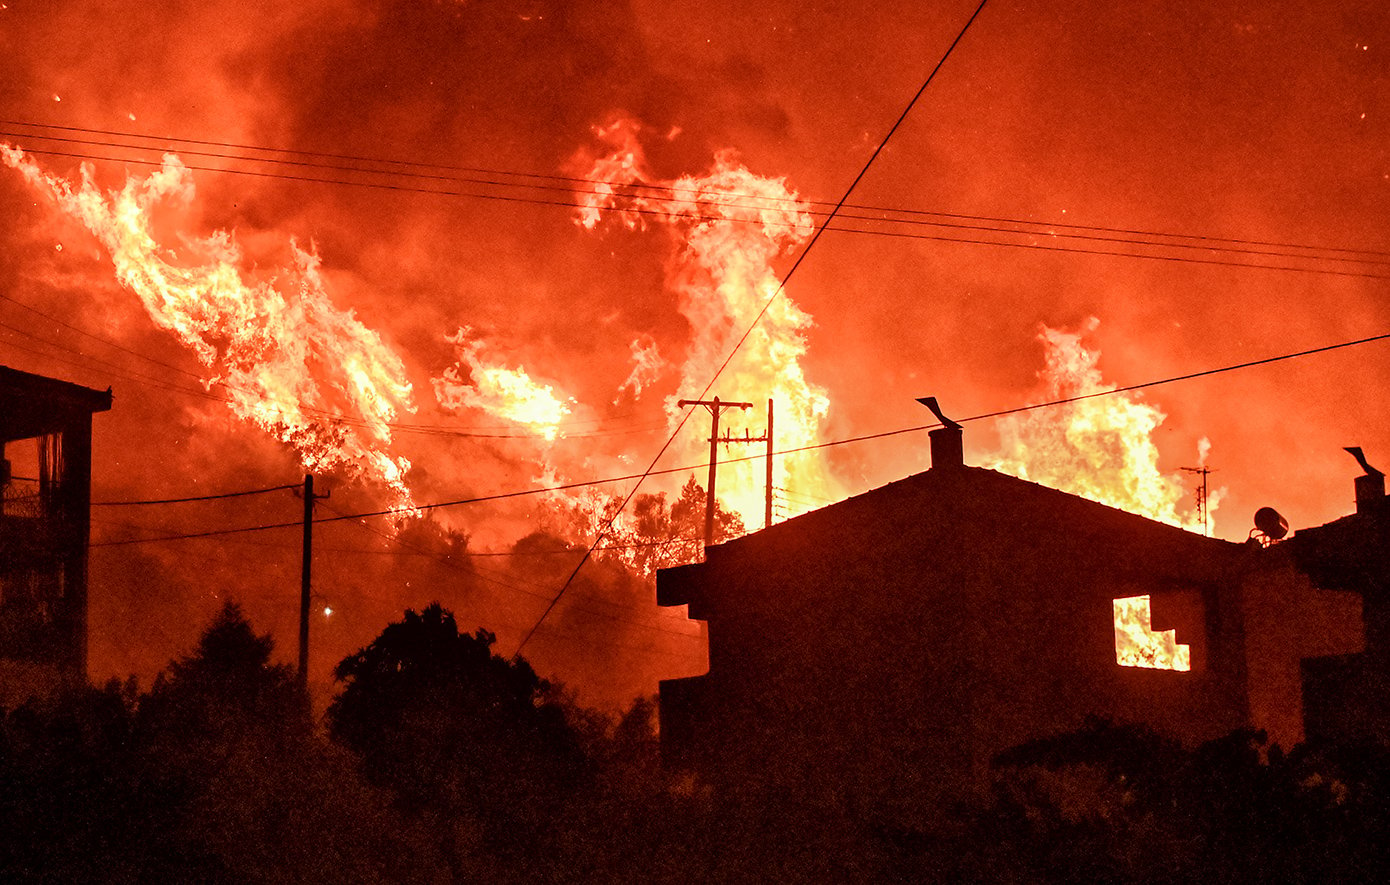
13	382
976	474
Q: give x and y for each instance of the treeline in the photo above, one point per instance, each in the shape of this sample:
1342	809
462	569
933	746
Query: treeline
439	761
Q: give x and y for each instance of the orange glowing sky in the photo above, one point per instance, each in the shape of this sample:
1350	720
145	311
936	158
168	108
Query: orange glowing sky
1265	123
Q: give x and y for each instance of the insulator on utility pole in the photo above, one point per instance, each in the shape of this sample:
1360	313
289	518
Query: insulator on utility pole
714	406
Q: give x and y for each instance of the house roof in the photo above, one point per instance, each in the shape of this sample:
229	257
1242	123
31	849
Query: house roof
938	488
31	405
1351	553
963	494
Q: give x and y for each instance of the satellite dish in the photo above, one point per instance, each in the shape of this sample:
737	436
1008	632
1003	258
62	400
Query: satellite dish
1268	521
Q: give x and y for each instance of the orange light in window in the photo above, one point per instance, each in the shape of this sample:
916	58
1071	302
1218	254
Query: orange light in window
1137	644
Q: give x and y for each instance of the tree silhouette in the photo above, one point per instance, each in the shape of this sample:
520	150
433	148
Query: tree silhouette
79	801
225	686
464	738
263	791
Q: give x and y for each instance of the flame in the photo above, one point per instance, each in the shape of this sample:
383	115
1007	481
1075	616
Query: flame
311	375
1138	645
647	364
730	226
506	393
1098	448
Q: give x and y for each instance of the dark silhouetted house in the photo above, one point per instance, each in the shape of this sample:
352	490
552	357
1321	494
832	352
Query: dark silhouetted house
882	650
1347	696
45	474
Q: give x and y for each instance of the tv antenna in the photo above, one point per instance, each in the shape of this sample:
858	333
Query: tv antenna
1201	493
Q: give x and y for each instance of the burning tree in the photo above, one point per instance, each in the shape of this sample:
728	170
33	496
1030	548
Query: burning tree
654	534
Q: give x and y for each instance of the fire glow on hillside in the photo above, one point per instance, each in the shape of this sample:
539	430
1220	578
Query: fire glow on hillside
460	252
315	377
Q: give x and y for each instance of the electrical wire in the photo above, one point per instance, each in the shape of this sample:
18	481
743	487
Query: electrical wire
781	286
838	229
912	218
1365	275
670	193
216	497
404	511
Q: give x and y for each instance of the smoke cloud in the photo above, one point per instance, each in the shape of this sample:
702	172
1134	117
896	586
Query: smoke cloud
1135	121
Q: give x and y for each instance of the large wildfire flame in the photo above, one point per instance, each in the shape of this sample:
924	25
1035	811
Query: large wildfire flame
730	227
1098	448
506	393
307	372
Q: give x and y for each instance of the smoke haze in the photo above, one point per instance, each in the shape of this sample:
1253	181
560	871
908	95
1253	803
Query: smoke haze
1266	125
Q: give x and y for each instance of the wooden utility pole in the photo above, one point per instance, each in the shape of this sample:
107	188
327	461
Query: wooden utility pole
767	513
714	407
729	439
304	579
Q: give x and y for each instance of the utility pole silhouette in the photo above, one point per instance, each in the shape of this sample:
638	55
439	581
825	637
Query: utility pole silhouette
729	439
767	511
305	570
714	406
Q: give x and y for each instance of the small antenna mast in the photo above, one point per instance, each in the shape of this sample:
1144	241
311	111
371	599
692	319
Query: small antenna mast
1201	493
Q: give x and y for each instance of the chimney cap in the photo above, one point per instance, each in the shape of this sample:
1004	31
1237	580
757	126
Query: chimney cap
930	402
1360	456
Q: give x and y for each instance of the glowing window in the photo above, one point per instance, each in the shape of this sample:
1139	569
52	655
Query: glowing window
1138	645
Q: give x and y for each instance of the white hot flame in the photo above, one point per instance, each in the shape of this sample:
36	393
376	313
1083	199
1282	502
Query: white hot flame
506	393
307	372
1099	448
730	226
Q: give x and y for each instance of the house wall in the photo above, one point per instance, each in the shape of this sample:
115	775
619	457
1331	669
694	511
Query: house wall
44	537
878	653
1289	620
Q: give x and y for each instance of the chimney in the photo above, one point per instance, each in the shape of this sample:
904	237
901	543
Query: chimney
947	442
1370	486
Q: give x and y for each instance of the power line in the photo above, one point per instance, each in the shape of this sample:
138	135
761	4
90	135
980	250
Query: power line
760	201
781	286
1084	396
570	204
913	218
193	535
217	497
1115	254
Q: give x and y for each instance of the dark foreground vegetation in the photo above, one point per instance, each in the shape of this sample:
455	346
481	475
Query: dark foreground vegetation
440	762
